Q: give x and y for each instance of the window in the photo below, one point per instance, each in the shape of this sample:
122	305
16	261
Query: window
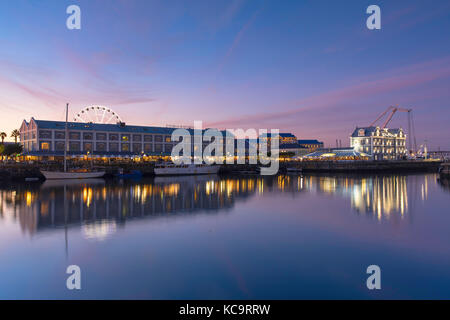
74	146
45	134
137	137
168	148
101	146
158	147
148	138
100	136
125	147
60	135
113	146
45	146
59	145
158	138
168	138
125	137
113	137
148	147
88	136
87	146
137	147
74	135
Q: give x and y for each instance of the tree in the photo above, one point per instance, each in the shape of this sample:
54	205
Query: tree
3	135
12	149
15	134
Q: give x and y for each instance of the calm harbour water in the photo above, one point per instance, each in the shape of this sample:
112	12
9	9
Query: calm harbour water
210	237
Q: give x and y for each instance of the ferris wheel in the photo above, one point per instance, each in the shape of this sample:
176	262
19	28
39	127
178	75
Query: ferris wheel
97	114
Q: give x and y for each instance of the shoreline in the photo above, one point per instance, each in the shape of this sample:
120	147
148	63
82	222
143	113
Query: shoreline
20	171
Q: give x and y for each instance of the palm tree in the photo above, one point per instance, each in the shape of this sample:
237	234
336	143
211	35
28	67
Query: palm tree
3	135
15	134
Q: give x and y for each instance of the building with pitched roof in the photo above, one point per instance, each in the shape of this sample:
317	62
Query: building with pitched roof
380	143
43	138
311	144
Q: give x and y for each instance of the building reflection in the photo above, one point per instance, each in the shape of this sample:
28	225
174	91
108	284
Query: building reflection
101	206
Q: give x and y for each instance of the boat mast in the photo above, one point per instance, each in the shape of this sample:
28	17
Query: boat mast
65	143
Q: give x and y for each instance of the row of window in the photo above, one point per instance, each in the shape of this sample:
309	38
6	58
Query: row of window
73	135
102	146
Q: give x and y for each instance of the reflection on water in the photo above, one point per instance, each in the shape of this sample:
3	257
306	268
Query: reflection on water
101	206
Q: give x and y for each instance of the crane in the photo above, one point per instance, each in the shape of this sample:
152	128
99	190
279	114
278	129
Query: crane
411	129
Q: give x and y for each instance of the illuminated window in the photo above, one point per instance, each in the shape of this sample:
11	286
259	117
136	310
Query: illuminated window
125	147
45	146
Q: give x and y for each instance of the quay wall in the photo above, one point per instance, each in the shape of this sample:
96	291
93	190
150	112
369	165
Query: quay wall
20	171
366	166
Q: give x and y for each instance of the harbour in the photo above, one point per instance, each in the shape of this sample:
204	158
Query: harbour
149	231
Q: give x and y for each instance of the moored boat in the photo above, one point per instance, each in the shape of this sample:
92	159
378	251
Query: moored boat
53	175
74	174
185	169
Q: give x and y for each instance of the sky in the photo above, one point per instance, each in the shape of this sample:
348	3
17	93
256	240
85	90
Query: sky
312	68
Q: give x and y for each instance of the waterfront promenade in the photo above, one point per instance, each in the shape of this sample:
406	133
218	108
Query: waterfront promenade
20	171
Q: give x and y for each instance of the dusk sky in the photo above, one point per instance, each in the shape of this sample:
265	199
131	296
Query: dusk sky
307	67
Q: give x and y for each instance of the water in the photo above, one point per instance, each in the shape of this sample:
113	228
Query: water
284	237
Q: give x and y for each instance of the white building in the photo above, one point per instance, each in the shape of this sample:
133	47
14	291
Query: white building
380	144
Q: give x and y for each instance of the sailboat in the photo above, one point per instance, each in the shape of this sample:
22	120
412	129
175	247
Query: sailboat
79	174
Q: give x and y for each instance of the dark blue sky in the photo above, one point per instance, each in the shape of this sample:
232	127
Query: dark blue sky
308	67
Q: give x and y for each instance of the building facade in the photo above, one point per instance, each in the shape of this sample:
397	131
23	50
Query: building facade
47	138
293	150
380	143
310	145
283	138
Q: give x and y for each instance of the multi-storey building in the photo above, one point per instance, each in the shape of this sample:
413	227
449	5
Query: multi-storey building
380	143
42	138
283	138
310	145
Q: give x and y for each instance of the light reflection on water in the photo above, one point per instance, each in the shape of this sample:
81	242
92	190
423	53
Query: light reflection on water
287	236
98	204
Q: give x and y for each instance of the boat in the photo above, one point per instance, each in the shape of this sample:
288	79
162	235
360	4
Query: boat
131	174
185	169
74	174
52	175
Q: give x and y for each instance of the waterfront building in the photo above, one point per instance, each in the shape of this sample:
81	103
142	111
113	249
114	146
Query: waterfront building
43	139
311	145
283	138
293	149
379	143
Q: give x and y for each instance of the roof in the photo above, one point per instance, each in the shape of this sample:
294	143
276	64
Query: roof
341	152
55	125
283	135
312	141
368	131
291	146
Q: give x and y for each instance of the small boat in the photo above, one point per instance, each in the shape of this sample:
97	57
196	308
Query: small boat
132	174
185	169
52	175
